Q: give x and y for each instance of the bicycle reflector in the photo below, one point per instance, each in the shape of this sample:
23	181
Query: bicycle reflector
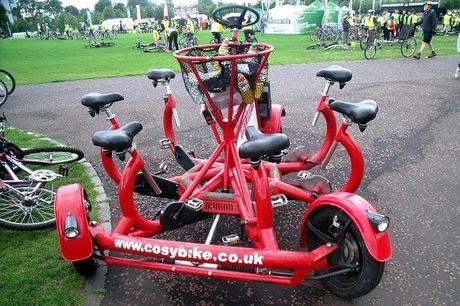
71	227
378	221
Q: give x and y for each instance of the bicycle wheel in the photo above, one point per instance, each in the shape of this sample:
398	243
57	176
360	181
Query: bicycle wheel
24	208
8	80
181	42
107	44
51	155
3	93
363	43
314	36
352	252
195	41
370	51
314	46
408	47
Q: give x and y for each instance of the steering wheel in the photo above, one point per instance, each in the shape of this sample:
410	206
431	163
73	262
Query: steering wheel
235	16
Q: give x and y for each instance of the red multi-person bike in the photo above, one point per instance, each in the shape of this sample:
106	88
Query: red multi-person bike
344	240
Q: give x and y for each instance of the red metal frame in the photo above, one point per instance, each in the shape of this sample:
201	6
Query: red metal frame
228	173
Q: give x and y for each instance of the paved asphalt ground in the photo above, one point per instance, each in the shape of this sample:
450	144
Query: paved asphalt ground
412	150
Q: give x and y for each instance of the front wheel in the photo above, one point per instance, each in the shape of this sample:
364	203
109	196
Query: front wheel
24	208
363	43
408	47
51	155
366	272
86	267
370	51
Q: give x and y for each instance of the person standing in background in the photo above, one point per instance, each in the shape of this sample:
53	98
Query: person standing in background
391	27
217	30
428	26
396	16
346	30
371	23
172	37
457	71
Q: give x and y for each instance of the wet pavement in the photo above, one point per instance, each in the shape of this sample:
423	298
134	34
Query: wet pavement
412	153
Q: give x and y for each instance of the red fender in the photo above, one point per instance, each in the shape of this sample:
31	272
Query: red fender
378	244
273	123
70	199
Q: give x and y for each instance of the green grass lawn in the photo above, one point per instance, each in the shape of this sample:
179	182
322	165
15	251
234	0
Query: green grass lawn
31	267
34	61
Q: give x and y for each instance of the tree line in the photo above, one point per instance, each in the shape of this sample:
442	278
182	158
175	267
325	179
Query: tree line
28	13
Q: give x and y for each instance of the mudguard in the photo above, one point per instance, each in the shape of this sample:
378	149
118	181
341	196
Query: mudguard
70	199
378	244
273	123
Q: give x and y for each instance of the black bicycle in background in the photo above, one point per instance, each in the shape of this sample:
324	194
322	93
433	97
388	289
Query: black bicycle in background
7	85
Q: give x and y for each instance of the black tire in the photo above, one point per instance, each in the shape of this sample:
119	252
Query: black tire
8	80
3	93
86	267
51	156
315	46
363	43
26	213
352	251
370	51
408	47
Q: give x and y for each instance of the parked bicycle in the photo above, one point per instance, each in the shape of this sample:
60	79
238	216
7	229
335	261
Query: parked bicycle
188	40
325	32
406	41
110	35
26	191
93	43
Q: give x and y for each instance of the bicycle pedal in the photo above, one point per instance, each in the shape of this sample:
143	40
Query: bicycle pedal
304	174
194	204
63	170
279	200
231	240
163	168
165	143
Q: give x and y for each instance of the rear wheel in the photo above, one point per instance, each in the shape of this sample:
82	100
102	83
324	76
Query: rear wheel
24	208
408	47
370	51
352	253
51	155
8	80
